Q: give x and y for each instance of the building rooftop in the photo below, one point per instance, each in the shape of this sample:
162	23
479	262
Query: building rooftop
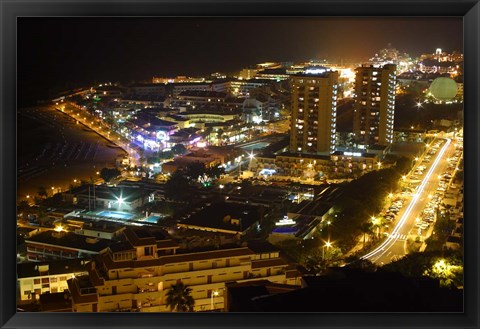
29	270
103	226
141	236
56	302
128	194
202	93
181	257
305	156
70	240
260	246
82	290
225	216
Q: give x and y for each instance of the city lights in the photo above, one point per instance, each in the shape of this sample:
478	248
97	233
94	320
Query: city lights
239	188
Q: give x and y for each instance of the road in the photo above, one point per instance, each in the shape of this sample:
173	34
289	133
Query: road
395	245
96	125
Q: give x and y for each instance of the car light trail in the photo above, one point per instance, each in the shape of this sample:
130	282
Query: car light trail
383	248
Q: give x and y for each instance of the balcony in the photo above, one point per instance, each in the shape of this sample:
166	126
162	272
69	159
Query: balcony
146	290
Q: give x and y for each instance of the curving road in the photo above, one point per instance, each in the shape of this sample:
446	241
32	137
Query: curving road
394	246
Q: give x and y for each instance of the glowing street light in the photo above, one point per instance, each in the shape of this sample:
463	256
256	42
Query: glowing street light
327	245
390	195
419	104
59	228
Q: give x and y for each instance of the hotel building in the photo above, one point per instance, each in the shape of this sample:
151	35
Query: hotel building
374	105
135	275
314	106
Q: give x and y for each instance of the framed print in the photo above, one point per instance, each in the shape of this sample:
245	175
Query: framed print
239	164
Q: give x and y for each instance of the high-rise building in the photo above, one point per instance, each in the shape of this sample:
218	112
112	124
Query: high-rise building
374	105
314	110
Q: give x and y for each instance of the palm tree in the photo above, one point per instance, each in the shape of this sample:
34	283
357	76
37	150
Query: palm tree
179	299
365	228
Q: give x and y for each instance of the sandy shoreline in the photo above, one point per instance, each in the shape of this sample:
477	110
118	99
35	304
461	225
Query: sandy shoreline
53	150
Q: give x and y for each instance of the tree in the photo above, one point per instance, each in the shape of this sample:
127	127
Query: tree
362	264
215	171
179	298
194	170
176	187
179	149
42	192
23	208
153	160
109	173
365	228
165	155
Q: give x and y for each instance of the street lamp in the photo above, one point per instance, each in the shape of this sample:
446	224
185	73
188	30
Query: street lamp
328	244
251	156
214	294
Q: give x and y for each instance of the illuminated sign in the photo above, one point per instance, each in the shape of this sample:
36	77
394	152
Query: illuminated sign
355	154
151	144
161	135
285	221
315	71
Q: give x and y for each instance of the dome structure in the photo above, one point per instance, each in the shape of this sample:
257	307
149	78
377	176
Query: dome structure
443	88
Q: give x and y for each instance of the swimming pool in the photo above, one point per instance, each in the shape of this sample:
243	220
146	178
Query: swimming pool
115	214
151	219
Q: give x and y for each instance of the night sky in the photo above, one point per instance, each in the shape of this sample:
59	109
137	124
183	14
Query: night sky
63	52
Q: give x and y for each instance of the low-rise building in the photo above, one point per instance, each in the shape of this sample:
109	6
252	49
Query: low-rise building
148	89
53	245
35	279
175	89
303	220
227	218
141	279
199	98
311	166
101	229
108	197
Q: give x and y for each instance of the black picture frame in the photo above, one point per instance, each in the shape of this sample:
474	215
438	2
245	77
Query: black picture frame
10	10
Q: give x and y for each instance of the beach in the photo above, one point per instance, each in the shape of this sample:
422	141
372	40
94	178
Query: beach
53	150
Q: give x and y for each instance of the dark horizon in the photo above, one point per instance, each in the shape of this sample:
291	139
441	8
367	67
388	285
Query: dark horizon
67	52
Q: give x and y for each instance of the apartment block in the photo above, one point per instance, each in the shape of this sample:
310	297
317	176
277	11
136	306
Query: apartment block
374	109
136	275
314	110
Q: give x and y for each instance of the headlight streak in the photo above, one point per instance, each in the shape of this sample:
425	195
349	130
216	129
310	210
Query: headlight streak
390	241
